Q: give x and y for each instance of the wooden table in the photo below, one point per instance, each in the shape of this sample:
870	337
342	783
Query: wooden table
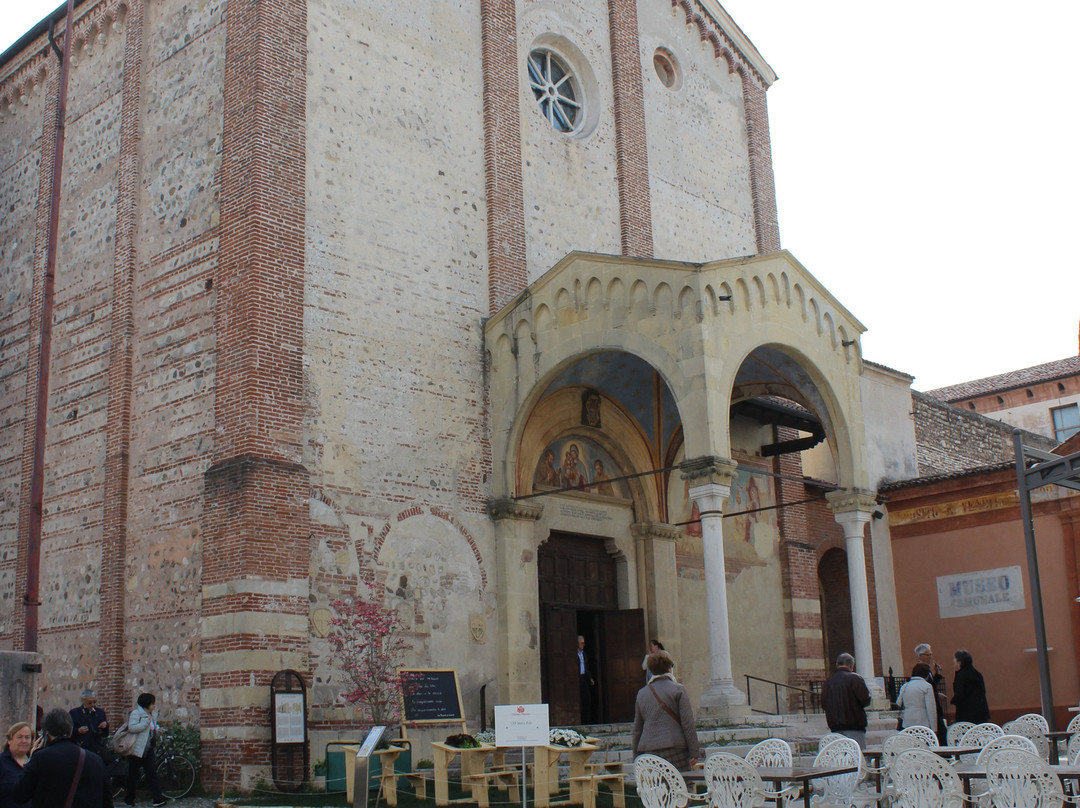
387	777
800	774
472	762
874	752
973	771
1054	737
546	772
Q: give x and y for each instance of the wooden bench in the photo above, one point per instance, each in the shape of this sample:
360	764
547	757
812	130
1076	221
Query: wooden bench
502	779
418	781
615	781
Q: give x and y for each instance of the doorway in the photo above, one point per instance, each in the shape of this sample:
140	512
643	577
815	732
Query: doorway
579	597
835	593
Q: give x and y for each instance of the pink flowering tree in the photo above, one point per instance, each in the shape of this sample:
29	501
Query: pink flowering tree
369	644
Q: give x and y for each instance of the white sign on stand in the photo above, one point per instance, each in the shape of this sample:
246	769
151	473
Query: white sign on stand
522	725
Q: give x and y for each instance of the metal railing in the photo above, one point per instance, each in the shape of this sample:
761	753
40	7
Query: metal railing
806	699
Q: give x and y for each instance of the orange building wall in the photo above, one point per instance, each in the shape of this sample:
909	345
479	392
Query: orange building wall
997	641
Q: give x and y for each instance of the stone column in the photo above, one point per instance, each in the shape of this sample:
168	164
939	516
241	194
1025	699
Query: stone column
656	557
710	484
852	509
517	585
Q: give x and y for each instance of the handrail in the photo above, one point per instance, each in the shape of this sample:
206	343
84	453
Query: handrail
815	696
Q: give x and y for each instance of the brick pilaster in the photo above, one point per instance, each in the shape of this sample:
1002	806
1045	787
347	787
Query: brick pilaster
256	534
507	267
111	668
762	183
631	154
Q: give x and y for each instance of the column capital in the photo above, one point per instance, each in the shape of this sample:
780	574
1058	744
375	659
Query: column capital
499	509
655	530
852	504
709	469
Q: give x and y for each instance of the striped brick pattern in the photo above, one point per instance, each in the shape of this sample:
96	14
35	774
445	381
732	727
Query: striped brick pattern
507	269
631	154
256	537
762	183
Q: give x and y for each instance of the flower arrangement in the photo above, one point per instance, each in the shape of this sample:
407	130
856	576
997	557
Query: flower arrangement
485	737
565	737
462	741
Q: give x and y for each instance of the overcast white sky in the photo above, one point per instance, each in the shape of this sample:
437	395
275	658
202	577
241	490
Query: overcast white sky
927	160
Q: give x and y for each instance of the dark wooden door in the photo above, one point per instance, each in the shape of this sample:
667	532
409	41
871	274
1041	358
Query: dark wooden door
623	649
558	659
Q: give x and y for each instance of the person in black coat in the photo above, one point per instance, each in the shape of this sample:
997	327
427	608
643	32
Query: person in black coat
91	727
47	777
969	691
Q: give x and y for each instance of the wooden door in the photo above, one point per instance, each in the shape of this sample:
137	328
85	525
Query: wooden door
623	634
558	660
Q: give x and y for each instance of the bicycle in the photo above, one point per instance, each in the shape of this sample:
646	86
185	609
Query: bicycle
176	772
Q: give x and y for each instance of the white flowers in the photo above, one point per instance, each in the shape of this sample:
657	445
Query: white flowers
565	737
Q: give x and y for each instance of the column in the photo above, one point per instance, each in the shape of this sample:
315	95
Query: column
518	597
710	484
656	559
852	509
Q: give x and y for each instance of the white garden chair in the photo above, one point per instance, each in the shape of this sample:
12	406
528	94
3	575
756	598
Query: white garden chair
838	791
977	785
1074	725
733	783
923	780
979	735
956	731
828	738
891	749
1072	753
659	784
922	732
1032	731
1035	719
1019	779
770	752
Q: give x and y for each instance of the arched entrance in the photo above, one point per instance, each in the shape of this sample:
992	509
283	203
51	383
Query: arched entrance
835	606
578	585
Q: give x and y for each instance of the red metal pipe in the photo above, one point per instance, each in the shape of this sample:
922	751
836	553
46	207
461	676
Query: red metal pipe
37	474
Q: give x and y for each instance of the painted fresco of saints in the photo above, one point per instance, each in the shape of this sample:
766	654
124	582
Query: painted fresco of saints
601	485
572	475
546	472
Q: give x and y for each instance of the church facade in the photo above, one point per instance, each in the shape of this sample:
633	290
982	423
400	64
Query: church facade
481	303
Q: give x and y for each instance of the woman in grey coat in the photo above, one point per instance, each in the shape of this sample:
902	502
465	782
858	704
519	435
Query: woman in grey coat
663	717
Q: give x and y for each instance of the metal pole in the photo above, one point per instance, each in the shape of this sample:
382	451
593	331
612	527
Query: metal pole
1033	579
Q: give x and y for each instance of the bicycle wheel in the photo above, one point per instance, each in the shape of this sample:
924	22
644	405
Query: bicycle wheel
176	774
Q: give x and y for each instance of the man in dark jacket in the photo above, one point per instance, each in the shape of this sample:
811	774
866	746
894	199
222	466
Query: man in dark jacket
90	726
844	696
48	776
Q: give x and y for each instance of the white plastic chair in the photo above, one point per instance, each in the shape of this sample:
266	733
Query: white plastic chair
954	732
977	785
659	784
1073	750
924	780
1019	779
979	735
733	783
838	791
1033	732
891	749
1035	719
770	752
922	732
827	739
1074	725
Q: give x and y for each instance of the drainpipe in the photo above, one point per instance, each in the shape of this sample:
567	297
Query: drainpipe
37	475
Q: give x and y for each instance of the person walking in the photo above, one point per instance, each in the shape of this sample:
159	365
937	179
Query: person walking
844	697
63	773
969	690
142	723
917	699
663	717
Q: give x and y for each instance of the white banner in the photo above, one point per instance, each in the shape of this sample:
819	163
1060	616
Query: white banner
981	592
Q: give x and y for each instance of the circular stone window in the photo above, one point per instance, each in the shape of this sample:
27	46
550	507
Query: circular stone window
556	89
664	65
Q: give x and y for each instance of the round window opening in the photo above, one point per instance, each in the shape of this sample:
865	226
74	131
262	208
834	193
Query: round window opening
664	66
556	89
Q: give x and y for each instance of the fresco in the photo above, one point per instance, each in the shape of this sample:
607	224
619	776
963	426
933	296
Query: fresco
749	538
576	462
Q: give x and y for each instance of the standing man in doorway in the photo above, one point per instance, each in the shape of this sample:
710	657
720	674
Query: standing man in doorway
585	682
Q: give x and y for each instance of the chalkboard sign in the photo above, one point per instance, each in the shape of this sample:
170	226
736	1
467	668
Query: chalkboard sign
430	696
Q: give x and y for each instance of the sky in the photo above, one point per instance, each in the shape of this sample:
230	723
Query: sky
927	165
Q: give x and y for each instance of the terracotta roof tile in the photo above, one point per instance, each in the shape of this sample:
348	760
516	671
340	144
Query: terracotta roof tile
1025	377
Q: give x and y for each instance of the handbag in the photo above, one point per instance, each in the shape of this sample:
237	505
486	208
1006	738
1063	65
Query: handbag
123	741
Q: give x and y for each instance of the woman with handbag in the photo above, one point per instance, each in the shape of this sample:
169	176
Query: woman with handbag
142	723
663	718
